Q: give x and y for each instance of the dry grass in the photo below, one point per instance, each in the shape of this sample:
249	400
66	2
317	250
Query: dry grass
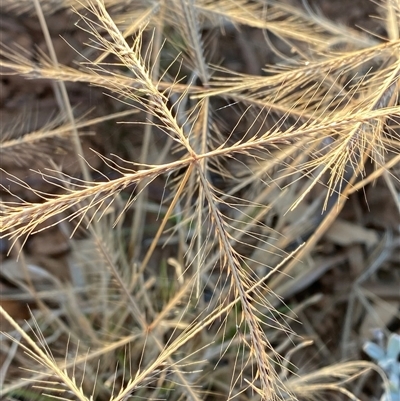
186	263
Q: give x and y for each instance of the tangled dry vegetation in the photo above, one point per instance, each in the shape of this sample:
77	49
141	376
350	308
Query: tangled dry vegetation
200	199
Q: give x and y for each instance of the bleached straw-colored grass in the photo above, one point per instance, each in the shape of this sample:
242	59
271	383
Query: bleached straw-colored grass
207	322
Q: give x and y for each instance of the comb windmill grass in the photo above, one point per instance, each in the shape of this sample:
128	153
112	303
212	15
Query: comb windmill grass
195	310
